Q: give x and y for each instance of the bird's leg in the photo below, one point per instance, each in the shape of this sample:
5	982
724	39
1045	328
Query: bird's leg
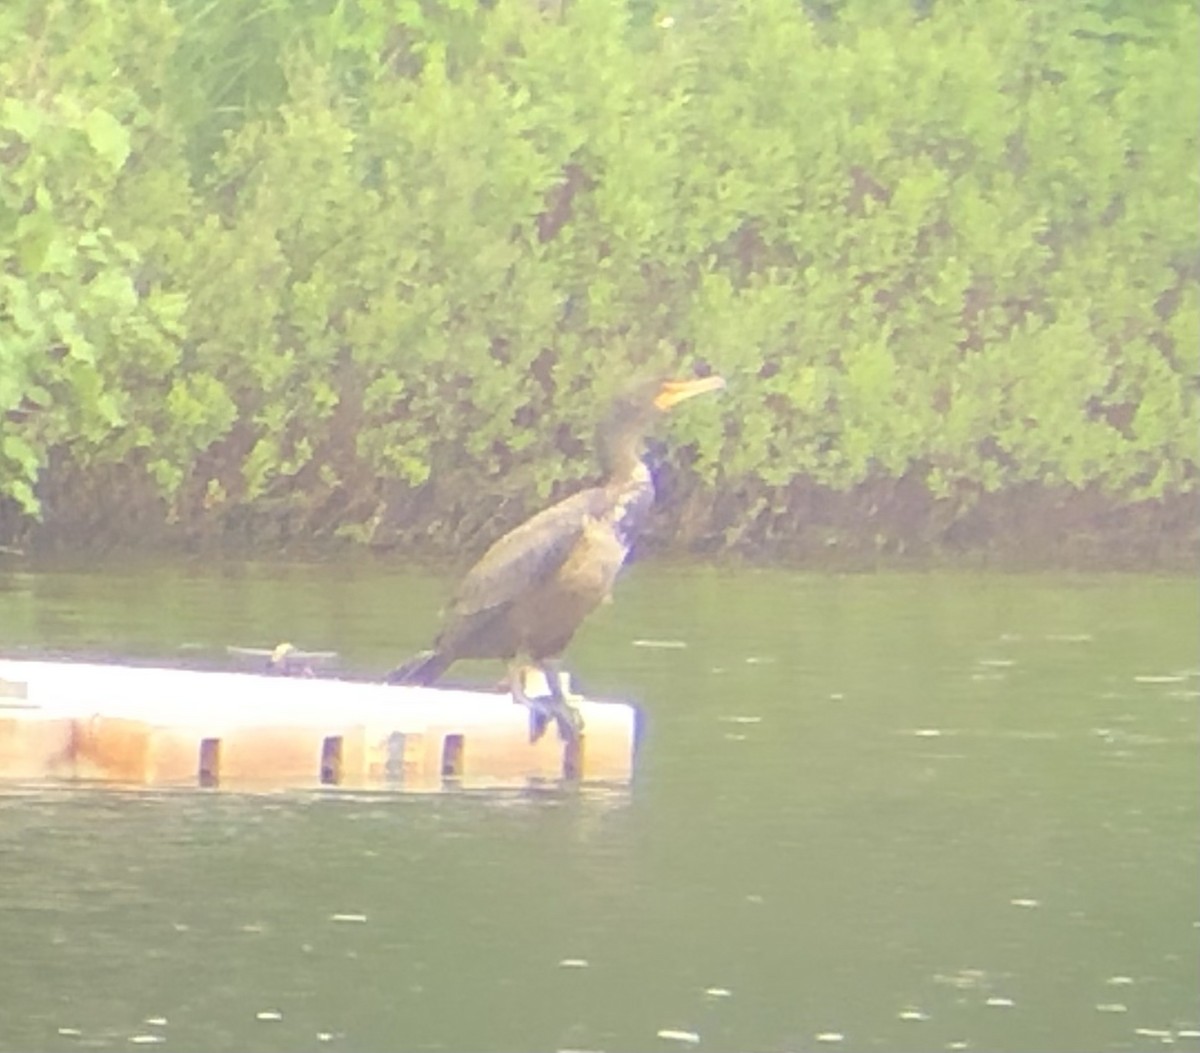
540	709
565	713
559	681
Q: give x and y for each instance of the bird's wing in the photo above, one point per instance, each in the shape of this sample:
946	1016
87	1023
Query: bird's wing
527	555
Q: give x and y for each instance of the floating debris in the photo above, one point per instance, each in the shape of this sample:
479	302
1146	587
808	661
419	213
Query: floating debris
928	733
146	1040
70	1032
964	979
324	1036
1119	981
759	660
662	645
912	1014
268	1014
179	926
671	1035
1166	679
737	719
1112	1007
1000	1003
1152	1032
731	737
156	1021
997	663
837	696
1187	1033
1022	902
357	918
958	1045
253	926
573	963
718	992
830	1036
754	897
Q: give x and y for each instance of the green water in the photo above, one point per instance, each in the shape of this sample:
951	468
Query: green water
917	812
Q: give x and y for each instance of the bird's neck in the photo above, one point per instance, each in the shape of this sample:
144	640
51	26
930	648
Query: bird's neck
622	459
630	500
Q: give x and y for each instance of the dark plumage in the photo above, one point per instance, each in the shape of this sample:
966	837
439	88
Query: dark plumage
534	587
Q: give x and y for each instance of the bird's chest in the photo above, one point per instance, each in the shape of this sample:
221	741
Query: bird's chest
630	506
605	540
547	616
591	569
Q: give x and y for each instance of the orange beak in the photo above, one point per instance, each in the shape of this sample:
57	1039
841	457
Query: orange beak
675	391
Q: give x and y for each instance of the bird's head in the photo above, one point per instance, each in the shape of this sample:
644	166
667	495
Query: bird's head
635	411
643	402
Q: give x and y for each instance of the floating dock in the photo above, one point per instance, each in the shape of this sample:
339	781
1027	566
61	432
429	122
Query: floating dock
161	727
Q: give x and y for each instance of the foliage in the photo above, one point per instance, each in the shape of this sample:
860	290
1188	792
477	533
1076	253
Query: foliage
327	265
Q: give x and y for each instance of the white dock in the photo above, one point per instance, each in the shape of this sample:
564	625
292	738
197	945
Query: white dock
65	720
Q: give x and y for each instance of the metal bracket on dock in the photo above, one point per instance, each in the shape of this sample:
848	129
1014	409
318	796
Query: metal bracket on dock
14	694
13	688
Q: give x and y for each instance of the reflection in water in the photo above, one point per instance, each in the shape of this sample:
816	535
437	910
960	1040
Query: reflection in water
901	812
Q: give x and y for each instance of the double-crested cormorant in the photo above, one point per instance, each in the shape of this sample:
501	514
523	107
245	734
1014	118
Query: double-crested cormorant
533	588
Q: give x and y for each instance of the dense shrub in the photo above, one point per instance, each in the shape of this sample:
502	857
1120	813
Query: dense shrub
348	267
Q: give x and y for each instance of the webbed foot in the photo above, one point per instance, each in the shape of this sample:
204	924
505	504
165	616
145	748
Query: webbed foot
566	701
539	720
544	709
556	706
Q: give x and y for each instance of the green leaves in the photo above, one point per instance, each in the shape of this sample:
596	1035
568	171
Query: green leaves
21	117
108	137
301	254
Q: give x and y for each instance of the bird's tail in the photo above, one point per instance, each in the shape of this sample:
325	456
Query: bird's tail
423	668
